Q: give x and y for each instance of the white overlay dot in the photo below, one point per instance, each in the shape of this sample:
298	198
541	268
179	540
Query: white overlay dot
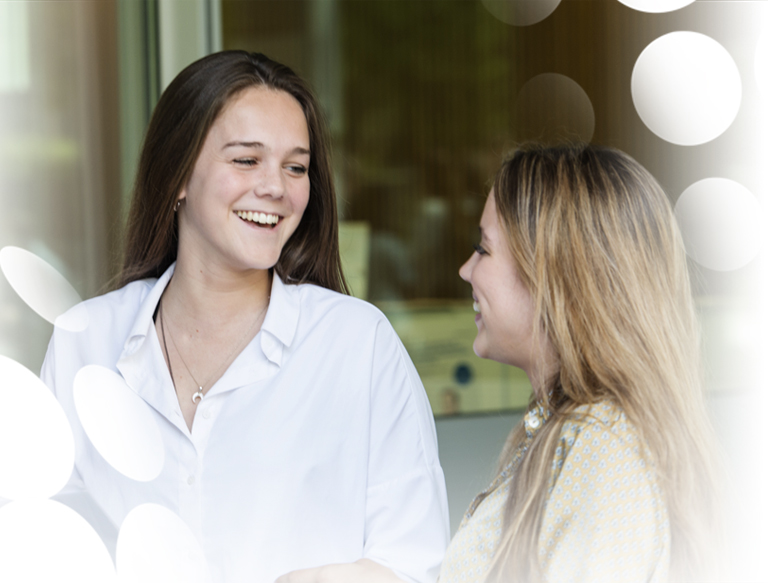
37	450
42	288
686	88
656	6
721	222
119	423
521	12
43	540
551	108
156	546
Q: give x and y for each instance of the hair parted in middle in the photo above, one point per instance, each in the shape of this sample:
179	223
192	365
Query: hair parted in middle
177	131
596	243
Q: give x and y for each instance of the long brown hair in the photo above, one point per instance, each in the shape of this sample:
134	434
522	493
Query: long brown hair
595	241
176	133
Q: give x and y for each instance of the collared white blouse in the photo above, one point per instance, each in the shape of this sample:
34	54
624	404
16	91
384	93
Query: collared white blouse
316	446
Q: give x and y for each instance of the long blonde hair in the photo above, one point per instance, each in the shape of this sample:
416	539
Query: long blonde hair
596	243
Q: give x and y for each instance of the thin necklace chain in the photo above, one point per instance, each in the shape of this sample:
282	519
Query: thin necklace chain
197	396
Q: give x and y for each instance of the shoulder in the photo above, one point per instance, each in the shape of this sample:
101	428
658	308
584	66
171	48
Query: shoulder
318	303
93	332
604	420
107	318
596	438
599	442
118	306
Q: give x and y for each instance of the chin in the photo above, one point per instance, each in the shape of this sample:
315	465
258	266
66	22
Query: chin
479	349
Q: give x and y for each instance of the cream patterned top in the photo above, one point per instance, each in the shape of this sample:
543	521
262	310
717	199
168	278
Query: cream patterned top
604	520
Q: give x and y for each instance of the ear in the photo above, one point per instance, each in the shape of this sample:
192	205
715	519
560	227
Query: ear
182	196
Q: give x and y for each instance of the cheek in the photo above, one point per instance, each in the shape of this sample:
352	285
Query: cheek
300	201
304	196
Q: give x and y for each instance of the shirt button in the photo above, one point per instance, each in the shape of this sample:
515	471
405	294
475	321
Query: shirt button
206	414
191	480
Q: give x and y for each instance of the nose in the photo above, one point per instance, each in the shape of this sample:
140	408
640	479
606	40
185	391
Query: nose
270	181
465	271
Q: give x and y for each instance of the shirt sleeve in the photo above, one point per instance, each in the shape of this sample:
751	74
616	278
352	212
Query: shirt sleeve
605	519
406	506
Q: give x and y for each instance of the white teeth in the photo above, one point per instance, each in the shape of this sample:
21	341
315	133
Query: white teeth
476	307
257	217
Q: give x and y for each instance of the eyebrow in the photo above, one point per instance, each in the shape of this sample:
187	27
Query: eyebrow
259	145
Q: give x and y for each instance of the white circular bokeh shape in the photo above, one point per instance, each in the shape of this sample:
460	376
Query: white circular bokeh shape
521	12
37	450
761	66
552	108
43	540
656	6
686	88
721	222
42	288
156	546
119	423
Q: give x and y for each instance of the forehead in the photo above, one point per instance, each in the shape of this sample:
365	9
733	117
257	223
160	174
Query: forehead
489	221
261	106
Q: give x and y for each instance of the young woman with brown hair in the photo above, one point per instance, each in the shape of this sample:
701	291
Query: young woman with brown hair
580	279
296	431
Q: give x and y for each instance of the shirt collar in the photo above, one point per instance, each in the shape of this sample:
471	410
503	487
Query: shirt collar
279	325
535	418
281	320
145	315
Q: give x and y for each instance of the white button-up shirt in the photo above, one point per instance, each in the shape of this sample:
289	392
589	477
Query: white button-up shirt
316	446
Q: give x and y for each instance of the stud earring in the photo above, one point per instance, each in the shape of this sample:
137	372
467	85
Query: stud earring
178	205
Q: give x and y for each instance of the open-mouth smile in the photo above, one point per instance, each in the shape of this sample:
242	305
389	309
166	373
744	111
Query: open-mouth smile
266	220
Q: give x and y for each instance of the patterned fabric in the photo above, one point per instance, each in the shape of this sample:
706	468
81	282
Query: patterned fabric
604	520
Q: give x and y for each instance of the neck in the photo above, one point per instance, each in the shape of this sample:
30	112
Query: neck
212	296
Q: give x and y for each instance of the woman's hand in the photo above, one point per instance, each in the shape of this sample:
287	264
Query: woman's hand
362	571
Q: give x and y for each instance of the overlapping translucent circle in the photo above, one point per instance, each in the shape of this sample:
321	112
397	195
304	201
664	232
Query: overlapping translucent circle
43	288
37	450
521	12
721	222
686	88
119	423
656	6
552	108
156	546
43	540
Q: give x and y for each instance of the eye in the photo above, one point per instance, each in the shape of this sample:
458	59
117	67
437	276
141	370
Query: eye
246	161
479	249
297	169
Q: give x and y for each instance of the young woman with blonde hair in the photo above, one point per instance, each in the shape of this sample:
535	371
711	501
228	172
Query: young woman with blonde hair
580	279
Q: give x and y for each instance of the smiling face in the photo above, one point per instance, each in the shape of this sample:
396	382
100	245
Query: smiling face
503	304
249	186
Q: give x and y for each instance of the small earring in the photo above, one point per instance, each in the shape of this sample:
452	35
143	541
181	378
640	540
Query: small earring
178	205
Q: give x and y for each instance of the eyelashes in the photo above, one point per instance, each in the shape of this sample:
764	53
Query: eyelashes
479	249
296	169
